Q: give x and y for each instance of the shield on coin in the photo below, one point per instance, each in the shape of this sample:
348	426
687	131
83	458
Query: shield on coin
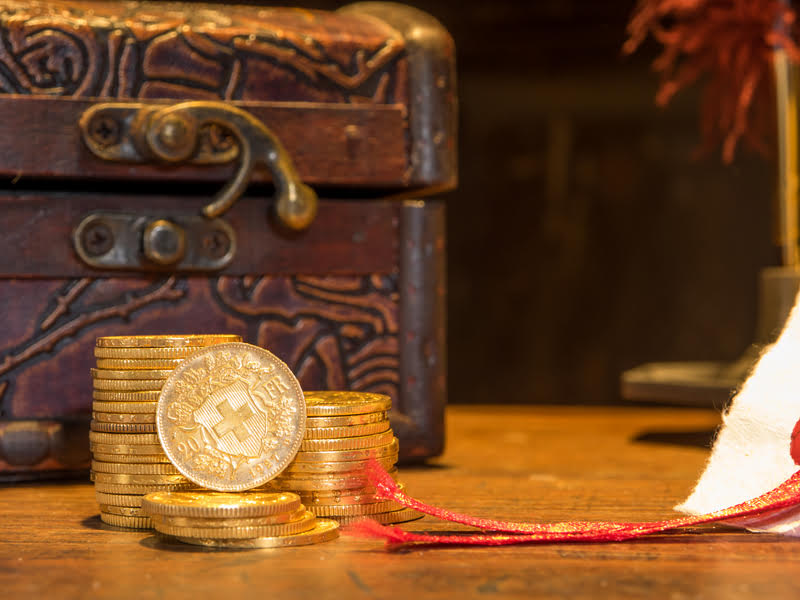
233	420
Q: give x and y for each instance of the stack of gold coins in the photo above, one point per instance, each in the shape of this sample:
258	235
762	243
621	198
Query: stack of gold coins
236	520
127	458
343	431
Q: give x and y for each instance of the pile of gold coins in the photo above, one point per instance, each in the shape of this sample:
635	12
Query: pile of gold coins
343	431
127	458
236	520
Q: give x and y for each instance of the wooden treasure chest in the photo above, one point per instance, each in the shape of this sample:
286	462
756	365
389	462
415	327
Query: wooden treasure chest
192	168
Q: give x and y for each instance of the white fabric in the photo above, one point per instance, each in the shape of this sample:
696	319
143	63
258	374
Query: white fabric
751	452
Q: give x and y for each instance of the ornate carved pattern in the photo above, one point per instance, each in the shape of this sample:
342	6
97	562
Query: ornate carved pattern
165	50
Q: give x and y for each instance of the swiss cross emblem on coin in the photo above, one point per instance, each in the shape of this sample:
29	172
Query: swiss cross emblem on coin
231	417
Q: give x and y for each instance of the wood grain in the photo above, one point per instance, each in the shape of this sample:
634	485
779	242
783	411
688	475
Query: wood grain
517	463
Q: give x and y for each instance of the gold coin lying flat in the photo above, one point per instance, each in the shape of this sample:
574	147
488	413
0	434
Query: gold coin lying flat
305	523
220	505
126	449
343	432
122	488
345	420
140	363
144	353
326	404
347	443
132	397
338	497
354	466
395	516
165	341
128	385
348	455
99	437
309	483
119	500
133	469
129	522
145	408
123	417
107	427
231	417
138	478
208	523
323	531
131	458
353	510
130	374
123	511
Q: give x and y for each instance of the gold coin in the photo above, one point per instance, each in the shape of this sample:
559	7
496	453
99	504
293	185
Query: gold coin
220	505
165	341
326	404
132	458
127	449
144	353
353	510
122	417
200	522
305	523
124	511
345	420
395	516
343	432
131	374
129	500
127	397
133	469
138	363
247	413
107	427
124	521
354	466
138	478
122	488
338	497
347	443
323	531
99	437
309	482
349	455
143	408
128	385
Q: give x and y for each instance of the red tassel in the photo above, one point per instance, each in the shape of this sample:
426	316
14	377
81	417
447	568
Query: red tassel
775	503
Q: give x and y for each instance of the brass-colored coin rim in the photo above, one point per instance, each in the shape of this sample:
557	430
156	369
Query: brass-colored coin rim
333	511
352	466
122	511
135	364
323	403
128	385
113	427
306	523
127	408
324	530
348	443
127	522
130	374
165	341
366	429
216	484
349	455
134	469
112	397
252	504
349	497
403	515
124	417
132	459
138	478
127	500
346	420
126	449
121	488
323	482
147	353
224	523
100	437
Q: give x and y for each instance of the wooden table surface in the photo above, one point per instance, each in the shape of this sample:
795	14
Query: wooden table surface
542	463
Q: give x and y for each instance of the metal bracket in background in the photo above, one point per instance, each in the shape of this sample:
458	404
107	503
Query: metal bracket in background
127	241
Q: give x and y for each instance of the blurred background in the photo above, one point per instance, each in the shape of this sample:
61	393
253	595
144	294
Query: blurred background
586	236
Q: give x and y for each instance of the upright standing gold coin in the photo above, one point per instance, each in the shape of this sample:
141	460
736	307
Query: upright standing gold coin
220	505
165	341
325	404
231	417
323	531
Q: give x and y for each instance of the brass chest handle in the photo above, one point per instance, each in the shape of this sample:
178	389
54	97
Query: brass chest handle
198	132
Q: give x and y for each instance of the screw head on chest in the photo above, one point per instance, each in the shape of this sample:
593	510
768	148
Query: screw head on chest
97	239
104	130
164	243
216	244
